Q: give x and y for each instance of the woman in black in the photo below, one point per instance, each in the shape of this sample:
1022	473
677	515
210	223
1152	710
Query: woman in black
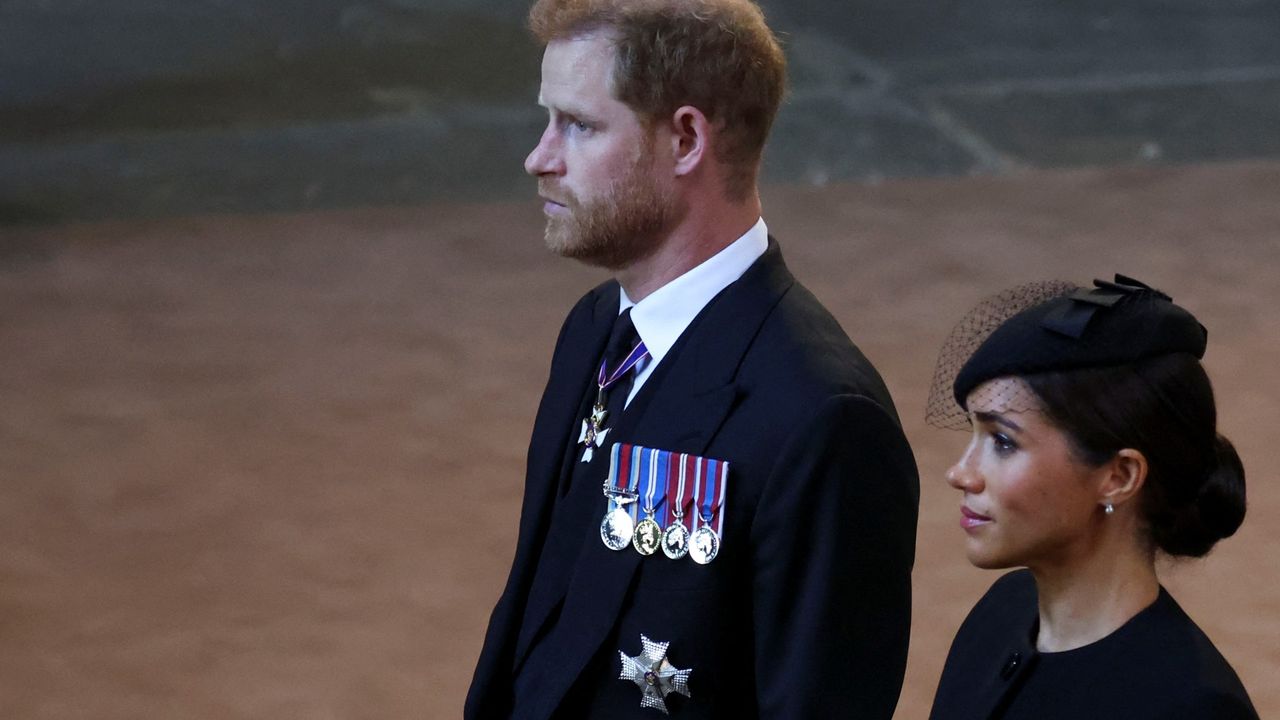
1094	447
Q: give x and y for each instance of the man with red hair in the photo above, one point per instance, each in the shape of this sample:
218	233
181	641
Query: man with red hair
724	413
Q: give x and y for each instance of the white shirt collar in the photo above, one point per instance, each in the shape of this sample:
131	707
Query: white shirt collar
662	316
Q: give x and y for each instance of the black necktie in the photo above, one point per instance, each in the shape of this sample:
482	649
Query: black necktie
577	513
622	340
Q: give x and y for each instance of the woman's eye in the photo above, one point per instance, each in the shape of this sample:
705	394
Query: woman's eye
1003	443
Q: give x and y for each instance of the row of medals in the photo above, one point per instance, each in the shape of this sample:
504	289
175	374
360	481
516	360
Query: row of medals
618	530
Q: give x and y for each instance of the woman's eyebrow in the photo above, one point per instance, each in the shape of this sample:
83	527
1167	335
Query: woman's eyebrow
998	419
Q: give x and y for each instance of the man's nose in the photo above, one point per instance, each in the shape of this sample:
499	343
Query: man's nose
545	159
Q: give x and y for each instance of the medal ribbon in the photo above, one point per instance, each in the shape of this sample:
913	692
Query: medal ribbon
653	476
622	471
654	468
679	480
604	379
718	506
708	491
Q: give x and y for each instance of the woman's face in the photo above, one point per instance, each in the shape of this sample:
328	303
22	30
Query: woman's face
1027	499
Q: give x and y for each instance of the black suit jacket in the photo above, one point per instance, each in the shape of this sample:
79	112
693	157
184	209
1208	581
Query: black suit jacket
806	611
1157	666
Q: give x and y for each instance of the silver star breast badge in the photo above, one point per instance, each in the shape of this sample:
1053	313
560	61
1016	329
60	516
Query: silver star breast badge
654	674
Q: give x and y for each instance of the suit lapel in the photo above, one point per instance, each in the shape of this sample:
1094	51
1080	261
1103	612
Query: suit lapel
697	392
555	437
693	392
552	451
587	361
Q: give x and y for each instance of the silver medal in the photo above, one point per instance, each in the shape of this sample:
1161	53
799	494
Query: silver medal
648	536
675	541
704	545
617	528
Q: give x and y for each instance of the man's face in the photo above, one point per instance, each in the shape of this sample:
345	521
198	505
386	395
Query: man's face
598	169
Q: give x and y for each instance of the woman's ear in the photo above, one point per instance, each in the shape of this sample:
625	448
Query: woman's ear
1126	473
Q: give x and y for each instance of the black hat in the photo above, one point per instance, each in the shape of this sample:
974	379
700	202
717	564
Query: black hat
1112	324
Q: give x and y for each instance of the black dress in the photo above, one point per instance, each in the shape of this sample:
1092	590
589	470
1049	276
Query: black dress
1157	665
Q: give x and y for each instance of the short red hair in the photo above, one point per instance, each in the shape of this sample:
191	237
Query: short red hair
716	55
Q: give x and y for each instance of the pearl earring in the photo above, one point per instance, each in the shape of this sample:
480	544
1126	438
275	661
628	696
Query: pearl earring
1108	508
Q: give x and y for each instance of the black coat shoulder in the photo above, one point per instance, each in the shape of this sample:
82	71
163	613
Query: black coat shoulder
1158	665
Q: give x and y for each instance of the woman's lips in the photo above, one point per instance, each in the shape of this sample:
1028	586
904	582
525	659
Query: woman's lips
970	519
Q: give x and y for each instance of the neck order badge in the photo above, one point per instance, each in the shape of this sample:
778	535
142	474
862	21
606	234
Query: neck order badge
593	430
666	485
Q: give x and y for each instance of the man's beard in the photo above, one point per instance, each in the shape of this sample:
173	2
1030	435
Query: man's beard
616	229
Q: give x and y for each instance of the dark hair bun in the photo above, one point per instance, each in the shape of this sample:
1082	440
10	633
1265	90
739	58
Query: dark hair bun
1215	513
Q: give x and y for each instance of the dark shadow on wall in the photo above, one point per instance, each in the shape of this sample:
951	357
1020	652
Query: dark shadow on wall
150	108
435	66
14	214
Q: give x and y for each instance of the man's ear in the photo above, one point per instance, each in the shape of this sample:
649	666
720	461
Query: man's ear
1126	473
690	139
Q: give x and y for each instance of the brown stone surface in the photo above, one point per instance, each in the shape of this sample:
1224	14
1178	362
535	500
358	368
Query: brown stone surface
269	467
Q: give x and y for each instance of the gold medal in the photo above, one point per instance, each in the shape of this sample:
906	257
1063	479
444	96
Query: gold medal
648	536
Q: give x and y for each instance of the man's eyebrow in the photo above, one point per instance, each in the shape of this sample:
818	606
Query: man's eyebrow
564	106
998	419
569	110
